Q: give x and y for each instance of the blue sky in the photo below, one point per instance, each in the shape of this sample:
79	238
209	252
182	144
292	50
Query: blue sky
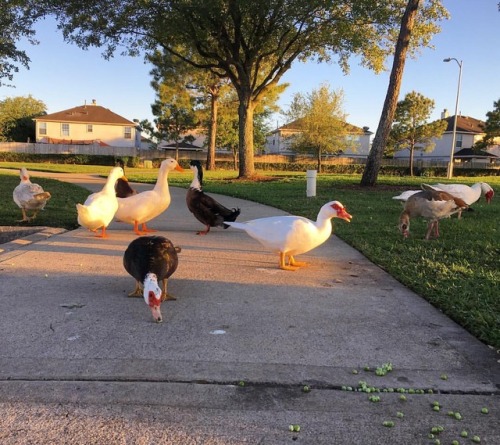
64	76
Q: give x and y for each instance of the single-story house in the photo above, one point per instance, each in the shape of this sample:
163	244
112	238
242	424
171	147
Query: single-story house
279	140
87	125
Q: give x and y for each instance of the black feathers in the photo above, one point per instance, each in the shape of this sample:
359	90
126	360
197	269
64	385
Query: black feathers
205	208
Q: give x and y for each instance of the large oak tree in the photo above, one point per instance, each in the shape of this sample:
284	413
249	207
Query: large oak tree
253	43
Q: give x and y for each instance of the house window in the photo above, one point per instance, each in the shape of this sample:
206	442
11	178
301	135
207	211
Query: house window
458	142
42	128
90	128
64	129
127	133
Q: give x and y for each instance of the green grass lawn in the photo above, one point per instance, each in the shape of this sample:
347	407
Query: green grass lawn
459	273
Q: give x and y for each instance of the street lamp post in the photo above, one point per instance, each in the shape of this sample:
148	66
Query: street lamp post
454	139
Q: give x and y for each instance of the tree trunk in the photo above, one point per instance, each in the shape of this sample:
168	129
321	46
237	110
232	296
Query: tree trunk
245	114
374	161
412	153
213	132
319	161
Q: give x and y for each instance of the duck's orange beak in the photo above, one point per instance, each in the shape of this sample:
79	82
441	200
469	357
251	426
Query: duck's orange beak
179	168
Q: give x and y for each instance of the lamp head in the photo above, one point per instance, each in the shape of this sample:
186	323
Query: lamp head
448	59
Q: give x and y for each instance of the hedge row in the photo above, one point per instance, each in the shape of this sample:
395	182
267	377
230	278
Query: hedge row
133	161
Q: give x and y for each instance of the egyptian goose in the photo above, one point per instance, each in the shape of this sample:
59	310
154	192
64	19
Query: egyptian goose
29	196
99	208
430	204
151	259
205	208
122	186
292	235
143	207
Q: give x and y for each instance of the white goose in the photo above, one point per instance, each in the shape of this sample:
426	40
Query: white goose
29	196
99	208
292	235
143	207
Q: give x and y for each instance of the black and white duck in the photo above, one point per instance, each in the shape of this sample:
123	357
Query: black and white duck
151	259
205	208
122	187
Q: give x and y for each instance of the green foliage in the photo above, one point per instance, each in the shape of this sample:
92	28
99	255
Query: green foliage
410	129
253	43
17	18
16	118
321	124
491	128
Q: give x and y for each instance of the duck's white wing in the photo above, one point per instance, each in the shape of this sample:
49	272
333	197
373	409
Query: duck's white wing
275	232
405	195
24	193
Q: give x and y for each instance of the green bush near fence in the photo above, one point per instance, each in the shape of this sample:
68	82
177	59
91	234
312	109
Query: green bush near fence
341	169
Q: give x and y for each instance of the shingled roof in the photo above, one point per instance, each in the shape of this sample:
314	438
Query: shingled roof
87	114
465	124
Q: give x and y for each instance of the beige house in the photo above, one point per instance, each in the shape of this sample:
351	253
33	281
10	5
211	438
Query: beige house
87	125
279	141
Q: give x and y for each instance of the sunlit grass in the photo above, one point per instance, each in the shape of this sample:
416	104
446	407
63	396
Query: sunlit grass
459	273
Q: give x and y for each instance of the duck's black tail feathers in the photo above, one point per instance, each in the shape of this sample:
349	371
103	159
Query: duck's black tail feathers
231	216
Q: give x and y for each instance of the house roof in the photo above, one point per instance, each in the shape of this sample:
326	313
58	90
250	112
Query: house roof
465	124
294	126
183	145
87	114
468	153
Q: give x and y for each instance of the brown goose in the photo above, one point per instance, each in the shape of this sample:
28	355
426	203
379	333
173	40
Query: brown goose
430	204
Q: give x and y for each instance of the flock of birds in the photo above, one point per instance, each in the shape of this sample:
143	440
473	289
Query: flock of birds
151	260
435	202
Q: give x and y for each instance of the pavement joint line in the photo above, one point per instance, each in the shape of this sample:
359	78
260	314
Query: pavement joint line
247	384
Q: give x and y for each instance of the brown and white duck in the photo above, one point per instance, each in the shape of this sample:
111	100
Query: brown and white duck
151	259
205	208
432	205
29	196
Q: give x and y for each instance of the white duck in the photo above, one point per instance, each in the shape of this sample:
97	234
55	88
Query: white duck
430	204
143	207
29	196
470	194
292	235
99	208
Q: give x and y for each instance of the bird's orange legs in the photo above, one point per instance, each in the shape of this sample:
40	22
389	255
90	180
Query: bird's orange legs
292	264
103	233
145	229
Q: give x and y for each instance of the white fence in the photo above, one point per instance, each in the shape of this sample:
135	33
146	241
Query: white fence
36	148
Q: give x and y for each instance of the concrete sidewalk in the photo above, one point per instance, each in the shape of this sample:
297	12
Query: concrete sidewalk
80	363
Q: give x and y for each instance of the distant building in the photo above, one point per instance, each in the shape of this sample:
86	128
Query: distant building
469	131
87	125
279	141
